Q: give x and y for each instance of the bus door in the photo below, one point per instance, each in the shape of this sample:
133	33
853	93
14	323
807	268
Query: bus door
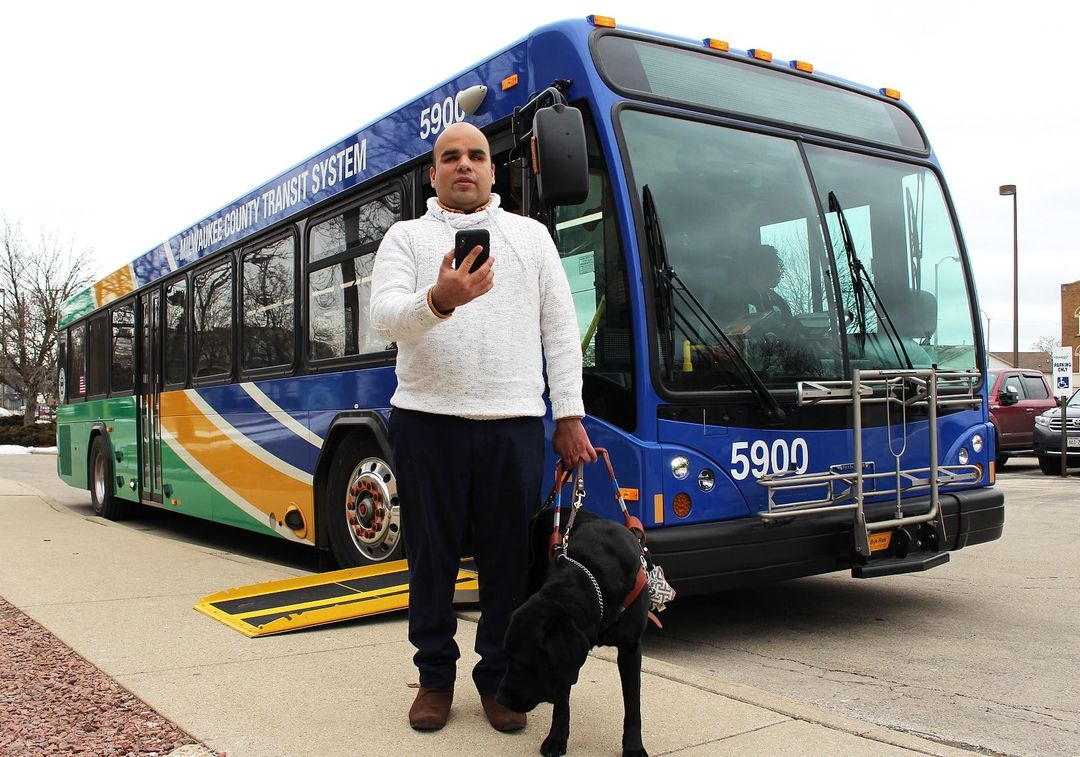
150	397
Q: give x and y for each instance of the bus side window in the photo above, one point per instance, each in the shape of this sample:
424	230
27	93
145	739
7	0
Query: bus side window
269	312
508	183
123	348
97	356
61	362
212	335
176	333
76	377
341	255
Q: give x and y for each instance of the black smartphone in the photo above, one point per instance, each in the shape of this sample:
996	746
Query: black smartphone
465	240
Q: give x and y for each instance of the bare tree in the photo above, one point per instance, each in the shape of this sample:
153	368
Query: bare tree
1046	344
34	281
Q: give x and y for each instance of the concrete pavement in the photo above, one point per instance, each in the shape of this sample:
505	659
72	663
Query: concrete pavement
123	600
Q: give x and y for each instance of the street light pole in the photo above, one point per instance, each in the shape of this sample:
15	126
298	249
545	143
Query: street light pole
936	266
1010	190
987	317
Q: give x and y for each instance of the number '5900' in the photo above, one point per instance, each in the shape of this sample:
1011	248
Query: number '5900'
438	116
760	458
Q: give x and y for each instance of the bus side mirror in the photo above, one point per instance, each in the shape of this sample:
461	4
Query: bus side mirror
560	159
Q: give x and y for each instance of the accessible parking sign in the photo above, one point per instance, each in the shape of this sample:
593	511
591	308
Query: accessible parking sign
1062	358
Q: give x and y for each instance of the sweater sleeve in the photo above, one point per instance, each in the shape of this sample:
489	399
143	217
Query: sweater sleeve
559	332
398	311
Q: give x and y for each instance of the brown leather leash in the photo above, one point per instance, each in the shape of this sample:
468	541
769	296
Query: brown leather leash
559	541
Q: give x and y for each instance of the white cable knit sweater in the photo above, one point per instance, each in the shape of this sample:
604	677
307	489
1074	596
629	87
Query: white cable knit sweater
486	360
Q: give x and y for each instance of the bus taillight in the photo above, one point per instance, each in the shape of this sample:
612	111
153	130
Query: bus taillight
681	505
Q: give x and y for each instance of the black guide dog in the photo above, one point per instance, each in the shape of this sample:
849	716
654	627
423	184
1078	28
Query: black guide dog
577	603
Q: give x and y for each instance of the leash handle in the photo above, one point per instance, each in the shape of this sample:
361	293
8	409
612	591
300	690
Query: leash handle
555	541
563	475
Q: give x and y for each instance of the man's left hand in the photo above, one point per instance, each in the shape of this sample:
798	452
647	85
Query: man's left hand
571	443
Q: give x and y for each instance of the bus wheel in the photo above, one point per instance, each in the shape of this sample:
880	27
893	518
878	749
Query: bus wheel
104	502
364	513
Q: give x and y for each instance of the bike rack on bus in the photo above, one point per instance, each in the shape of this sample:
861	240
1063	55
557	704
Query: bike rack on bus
900	388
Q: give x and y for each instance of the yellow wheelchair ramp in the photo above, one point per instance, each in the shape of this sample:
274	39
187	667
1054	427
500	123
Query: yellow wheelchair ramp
294	603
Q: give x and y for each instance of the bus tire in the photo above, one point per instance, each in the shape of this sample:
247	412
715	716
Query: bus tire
363	512
99	478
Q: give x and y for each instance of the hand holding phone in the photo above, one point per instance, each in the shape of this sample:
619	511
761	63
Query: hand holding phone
464	242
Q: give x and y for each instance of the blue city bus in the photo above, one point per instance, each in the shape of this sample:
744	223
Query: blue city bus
782	352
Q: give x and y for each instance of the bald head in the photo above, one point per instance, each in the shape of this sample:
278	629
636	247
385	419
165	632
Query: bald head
458	130
462	172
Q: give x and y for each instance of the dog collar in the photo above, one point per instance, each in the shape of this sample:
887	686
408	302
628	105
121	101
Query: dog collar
592	580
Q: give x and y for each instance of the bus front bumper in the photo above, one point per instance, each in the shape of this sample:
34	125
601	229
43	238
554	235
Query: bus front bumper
715	556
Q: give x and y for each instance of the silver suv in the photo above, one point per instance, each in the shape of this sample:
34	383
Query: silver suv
1048	437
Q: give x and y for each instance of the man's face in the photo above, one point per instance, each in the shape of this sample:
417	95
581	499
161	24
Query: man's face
462	173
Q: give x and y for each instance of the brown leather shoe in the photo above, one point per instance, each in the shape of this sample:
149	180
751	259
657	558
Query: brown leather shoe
501	718
430	709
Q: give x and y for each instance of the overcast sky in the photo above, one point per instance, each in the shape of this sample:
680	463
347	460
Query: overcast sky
125	123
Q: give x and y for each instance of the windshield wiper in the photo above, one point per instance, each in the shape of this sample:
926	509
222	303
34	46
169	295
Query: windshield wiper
668	283
914	239
860	281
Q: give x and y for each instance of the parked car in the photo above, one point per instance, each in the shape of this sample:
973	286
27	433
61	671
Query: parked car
1048	437
1017	397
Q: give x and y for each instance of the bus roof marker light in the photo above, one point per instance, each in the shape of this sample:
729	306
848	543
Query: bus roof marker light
802	65
716	44
893	93
608	22
470	99
763	55
509	82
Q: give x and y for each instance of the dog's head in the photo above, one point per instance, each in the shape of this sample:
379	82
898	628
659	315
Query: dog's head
545	650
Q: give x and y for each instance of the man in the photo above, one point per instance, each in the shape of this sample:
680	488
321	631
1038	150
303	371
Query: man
764	270
466	428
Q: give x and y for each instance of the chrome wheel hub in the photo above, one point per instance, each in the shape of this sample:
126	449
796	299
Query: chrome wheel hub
99	478
372	513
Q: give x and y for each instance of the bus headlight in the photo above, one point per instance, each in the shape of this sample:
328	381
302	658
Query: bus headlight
977	443
963	456
680	467
706	480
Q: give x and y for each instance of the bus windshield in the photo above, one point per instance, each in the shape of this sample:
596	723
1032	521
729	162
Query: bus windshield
742	229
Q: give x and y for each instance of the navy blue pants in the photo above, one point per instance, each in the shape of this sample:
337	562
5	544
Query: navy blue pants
459	477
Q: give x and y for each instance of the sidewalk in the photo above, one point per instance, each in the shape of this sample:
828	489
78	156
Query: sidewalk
123	600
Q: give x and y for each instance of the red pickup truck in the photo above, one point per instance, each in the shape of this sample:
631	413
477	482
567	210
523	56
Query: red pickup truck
1016	397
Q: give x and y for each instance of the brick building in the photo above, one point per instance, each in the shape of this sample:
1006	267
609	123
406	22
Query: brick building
1070	320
